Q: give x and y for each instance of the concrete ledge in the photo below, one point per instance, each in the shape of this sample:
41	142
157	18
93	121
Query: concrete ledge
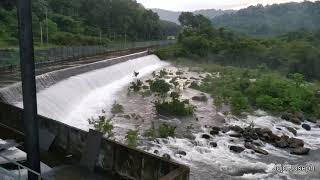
48	79
125	161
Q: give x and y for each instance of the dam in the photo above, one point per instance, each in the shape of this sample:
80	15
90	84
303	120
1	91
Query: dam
68	97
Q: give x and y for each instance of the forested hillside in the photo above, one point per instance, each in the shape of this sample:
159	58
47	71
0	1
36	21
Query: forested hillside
173	16
83	22
273	19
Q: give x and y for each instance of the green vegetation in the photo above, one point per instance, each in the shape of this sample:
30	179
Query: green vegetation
83	22
132	138
136	86
116	108
294	52
160	86
174	107
273	19
102	124
164	131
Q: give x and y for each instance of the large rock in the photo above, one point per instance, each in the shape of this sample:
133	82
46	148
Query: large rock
166	156
312	119
295	143
283	142
294	118
236	149
292	130
205	136
201	98
300	151
249	145
215	131
235	134
306	127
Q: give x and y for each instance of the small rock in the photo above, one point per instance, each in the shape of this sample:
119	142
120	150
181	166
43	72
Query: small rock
306	127
225	129
279	128
236	135
166	156
236	149
213	144
205	136
300	151
183	153
236	128
215	131
201	98
156	152
283	142
260	151
292	130
249	145
295	121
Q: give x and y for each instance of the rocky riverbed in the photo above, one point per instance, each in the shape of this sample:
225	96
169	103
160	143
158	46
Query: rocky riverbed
216	144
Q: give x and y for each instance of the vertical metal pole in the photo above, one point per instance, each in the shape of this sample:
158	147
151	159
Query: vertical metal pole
28	87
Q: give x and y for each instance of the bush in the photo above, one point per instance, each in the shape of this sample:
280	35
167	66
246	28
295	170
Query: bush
136	85
103	125
116	108
160	86
166	131
132	138
174	108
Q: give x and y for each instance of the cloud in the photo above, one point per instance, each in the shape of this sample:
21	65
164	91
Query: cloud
190	5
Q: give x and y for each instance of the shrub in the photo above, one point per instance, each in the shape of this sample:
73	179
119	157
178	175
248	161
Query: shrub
174	108
136	85
163	73
160	86
116	108
103	125
132	138
166	131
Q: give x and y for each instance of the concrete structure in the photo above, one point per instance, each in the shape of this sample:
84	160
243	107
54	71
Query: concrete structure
113	157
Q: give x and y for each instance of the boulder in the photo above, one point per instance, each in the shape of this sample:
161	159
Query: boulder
283	142
300	151
306	127
236	128
236	149
201	98
312	119
205	136
292	130
213	144
183	153
215	131
156	152
295	143
294	118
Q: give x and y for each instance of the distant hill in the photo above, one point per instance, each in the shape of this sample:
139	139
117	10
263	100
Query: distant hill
273	19
173	16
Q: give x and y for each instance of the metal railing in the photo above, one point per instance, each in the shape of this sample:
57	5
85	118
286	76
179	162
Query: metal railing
9	59
10	175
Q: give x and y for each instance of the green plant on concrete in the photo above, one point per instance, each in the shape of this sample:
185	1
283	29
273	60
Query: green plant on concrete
175	82
116	108
166	131
175	107
103	125
163	73
132	138
146	93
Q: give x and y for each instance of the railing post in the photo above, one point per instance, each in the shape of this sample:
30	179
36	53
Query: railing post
28	87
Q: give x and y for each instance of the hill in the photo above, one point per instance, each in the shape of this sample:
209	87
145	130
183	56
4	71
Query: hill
173	16
272	20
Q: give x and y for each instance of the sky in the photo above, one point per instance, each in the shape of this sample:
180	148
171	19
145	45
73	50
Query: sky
191	5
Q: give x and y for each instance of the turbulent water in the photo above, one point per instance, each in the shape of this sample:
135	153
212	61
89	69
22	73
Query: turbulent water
80	97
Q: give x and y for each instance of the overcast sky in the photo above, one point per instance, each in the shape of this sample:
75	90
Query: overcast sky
190	5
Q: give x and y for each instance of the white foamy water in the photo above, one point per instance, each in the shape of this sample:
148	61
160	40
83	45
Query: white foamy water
74	100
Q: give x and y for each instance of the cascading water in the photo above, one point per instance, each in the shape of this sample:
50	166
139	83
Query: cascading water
76	99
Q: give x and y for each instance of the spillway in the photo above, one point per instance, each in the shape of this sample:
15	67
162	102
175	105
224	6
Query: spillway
76	99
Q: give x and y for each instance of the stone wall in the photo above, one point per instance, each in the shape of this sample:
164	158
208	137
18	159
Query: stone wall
125	161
